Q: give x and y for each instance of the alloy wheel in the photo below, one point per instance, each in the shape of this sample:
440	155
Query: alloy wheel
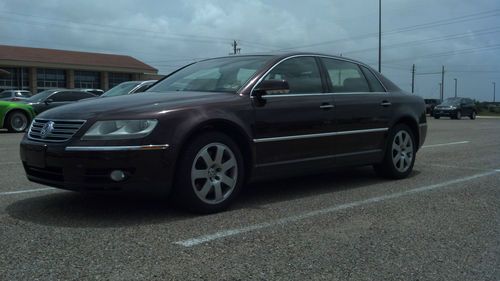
18	122
214	173
402	151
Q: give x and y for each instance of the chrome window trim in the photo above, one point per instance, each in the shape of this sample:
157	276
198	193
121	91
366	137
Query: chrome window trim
298	137
318	56
317	158
118	148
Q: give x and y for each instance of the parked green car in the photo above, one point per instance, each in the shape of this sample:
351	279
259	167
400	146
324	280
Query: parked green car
15	117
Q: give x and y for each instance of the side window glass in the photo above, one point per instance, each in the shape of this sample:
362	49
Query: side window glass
301	73
346	77
372	80
58	97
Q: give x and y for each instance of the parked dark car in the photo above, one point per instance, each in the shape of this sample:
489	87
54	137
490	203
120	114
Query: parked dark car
455	108
56	97
129	87
210	127
430	104
14	95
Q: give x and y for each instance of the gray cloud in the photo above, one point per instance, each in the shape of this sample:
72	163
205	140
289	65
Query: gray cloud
167	34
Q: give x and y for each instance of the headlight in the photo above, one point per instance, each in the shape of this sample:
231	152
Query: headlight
453	107
120	129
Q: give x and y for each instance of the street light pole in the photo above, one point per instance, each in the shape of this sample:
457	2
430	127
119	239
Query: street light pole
494	89
455	86
380	36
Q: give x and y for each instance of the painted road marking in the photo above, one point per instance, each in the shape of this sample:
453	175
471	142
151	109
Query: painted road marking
445	144
26	191
10	163
291	219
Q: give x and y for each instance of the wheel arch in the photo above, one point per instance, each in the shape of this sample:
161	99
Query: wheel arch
14	109
231	129
412	123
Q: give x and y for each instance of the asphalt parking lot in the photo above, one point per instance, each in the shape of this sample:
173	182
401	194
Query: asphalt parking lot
442	223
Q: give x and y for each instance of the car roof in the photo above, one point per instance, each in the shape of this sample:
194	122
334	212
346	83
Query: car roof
282	55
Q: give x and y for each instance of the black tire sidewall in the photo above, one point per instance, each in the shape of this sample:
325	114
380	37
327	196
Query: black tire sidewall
8	122
184	194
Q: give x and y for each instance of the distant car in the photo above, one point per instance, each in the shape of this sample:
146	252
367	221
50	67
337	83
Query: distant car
430	104
15	116
96	92
56	97
127	88
14	95
455	108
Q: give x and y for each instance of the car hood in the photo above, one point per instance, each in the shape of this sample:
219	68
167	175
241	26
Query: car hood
134	106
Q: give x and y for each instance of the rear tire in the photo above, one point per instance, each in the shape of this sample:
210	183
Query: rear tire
210	173
473	115
458	115
17	121
399	155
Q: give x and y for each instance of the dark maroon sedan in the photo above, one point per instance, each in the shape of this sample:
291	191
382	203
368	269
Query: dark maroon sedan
210	127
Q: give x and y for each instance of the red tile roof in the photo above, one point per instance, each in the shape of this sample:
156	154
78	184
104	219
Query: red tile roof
51	56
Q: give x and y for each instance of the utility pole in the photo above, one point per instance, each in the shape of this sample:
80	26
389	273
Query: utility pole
413	79
236	50
440	91
380	36
494	91
442	84
455	86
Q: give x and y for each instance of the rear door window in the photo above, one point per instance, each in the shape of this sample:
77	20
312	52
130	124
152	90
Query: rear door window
345	77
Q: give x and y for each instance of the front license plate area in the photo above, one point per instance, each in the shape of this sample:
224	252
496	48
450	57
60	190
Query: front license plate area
35	155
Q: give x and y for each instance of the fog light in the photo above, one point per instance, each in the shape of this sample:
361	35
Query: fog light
117	175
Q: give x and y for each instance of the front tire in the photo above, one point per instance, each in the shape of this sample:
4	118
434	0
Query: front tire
436	116
210	173
400	153
458	115
473	115
17	122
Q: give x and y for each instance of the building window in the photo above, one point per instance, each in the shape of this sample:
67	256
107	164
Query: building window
50	78
17	79
117	78
88	79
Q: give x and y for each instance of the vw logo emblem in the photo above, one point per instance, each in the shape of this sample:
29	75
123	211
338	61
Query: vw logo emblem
47	129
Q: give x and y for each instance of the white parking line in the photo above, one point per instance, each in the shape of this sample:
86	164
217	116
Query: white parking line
445	144
26	191
286	220
10	163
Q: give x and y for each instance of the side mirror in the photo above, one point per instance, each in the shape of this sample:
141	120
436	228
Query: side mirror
47	101
271	87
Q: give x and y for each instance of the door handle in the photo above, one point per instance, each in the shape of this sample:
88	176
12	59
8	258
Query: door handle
326	106
385	103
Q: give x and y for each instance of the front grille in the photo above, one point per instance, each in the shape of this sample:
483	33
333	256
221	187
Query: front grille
54	130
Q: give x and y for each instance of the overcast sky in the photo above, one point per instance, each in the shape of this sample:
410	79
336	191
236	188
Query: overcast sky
462	35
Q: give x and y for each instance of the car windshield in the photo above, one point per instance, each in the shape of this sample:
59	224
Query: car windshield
227	74
451	101
23	94
121	89
40	96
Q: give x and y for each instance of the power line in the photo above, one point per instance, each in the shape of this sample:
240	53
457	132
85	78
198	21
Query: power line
434	39
465	18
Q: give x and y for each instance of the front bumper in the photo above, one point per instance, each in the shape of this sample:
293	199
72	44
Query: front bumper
445	112
88	168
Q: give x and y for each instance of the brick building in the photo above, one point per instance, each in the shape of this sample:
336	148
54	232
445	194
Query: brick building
37	69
